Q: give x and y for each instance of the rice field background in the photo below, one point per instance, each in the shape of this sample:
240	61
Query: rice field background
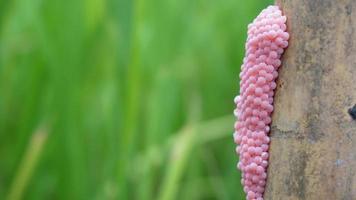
120	99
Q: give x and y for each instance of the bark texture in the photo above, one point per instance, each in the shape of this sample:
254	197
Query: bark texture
313	137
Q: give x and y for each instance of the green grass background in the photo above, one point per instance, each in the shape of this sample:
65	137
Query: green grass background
120	99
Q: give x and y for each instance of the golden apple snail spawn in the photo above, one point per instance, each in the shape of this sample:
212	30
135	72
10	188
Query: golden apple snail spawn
266	41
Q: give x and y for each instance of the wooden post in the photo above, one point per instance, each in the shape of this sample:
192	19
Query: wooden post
313	137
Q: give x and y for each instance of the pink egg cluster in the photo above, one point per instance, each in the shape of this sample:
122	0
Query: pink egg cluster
266	41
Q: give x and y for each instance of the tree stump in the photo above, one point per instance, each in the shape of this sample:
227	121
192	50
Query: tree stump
313	136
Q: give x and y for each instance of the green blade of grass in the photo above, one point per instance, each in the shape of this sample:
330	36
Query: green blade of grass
183	144
28	164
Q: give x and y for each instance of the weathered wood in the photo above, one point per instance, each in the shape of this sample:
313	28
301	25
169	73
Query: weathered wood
313	137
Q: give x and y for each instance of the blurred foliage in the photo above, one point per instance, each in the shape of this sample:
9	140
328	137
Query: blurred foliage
120	99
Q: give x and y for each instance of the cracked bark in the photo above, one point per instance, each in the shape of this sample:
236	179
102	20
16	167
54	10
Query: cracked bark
313	136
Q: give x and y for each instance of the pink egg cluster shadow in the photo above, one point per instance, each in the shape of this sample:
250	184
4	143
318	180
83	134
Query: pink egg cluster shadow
266	41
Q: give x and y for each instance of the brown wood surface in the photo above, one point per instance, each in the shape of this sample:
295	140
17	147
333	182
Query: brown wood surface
313	137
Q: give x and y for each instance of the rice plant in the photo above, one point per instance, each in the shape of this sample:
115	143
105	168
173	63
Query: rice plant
120	99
